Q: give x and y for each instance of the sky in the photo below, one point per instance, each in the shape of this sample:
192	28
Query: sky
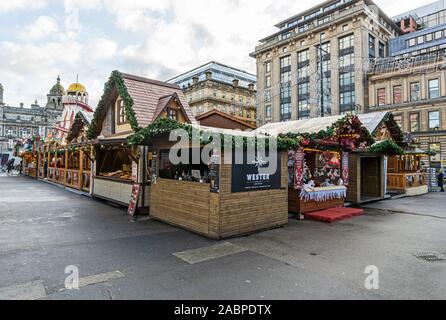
159	39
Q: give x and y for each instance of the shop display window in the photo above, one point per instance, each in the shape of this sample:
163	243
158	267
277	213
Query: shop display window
115	163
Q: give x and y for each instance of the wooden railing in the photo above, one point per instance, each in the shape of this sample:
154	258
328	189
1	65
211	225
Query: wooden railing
404	181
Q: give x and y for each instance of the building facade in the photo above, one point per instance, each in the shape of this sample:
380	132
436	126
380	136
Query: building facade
215	86
411	82
293	84
20	122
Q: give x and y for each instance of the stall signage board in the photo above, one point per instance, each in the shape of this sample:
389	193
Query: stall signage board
134	171
214	175
251	176
134	200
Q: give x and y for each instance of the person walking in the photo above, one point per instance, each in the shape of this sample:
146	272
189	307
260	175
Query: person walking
9	166
440	180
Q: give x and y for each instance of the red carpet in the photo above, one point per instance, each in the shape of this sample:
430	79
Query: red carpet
334	214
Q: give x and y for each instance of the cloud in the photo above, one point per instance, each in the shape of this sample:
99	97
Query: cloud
9	6
153	38
100	49
43	27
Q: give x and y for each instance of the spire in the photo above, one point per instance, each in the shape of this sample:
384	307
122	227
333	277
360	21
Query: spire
58	79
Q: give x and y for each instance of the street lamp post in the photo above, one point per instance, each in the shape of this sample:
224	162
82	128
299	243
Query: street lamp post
321	70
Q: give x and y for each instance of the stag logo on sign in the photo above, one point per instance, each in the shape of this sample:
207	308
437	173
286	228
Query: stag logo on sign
259	162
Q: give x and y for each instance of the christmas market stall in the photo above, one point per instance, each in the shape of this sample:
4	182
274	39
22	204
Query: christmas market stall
79	154
317	167
57	156
130	103
368	164
405	173
214	195
27	150
336	159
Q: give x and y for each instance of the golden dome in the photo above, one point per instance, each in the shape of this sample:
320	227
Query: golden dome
78	87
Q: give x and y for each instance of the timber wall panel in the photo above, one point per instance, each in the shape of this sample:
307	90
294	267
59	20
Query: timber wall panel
246	212
182	203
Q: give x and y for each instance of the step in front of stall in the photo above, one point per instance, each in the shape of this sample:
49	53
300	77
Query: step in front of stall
334	214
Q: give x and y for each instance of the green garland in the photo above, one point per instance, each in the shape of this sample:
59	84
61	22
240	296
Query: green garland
386	146
115	80
164	126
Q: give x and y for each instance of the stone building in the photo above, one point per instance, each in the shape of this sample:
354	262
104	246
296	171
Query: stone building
411	82
19	122
220	87
344	35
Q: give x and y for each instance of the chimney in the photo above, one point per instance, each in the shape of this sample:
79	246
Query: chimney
235	82
208	75
251	87
195	80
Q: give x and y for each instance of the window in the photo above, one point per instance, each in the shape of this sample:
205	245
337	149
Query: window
268	66
414	119
382	50
435	147
399	120
303	89
429	37
412	42
303	56
346	79
397	94
437	35
434	120
420	40
285	62
346	42
267	95
285	111
268	111
267	82
372	46
122	117
434	91
173	114
285	78
415	91
381	97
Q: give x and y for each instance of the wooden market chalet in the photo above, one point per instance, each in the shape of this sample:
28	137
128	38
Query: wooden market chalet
121	154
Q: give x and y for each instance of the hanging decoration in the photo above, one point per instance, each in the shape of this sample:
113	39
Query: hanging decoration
323	194
298	168
345	168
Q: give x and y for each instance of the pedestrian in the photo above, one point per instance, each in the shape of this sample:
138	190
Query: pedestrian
21	167
440	180
45	169
9	166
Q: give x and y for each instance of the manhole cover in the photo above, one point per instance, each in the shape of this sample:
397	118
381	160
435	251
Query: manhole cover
429	257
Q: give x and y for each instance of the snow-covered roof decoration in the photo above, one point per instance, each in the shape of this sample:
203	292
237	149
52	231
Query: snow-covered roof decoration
369	120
